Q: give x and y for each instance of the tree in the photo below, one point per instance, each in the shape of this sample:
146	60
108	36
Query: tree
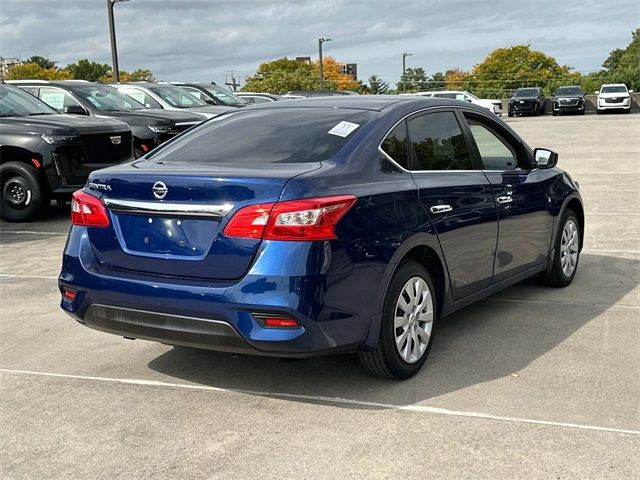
506	69
623	65
43	62
334	78
377	86
33	71
437	80
282	75
135	76
413	80
88	70
456	79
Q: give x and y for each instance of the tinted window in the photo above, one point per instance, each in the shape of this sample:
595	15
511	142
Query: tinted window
527	92
106	99
569	91
438	144
395	145
495	151
278	135
141	97
16	103
196	93
56	98
176	97
614	89
224	96
445	95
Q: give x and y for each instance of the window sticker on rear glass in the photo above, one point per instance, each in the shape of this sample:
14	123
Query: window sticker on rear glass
53	99
343	129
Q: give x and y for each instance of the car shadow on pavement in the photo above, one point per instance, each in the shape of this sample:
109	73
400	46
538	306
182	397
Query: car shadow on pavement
54	222
489	340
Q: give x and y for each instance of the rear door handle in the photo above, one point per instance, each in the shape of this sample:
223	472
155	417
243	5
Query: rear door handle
505	199
441	208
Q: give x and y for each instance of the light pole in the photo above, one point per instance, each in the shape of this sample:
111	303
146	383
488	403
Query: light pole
320	42
404	69
112	33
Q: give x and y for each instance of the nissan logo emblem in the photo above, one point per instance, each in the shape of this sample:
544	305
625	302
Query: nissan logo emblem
159	190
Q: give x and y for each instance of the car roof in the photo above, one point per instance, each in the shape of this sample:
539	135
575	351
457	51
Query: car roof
364	102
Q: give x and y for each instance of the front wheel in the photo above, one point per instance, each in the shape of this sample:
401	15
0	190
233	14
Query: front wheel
406	330
567	252
23	196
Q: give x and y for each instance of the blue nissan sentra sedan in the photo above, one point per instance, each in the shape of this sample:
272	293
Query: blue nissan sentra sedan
317	226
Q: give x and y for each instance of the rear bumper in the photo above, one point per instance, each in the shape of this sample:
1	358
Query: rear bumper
287	279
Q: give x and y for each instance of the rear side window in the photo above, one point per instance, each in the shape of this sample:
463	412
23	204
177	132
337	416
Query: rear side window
437	143
270	135
395	145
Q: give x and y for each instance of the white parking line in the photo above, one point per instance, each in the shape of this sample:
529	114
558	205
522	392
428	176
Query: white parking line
334	400
31	232
45	277
563	302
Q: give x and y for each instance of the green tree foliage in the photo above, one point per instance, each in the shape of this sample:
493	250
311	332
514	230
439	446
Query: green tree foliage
506	69
87	70
43	62
413	80
33	71
437	81
623	65
283	75
377	86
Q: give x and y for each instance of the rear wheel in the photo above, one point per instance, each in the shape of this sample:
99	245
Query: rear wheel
567	252
510	114
408	318
23	196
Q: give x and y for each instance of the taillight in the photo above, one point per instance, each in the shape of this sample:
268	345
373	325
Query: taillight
308	219
88	211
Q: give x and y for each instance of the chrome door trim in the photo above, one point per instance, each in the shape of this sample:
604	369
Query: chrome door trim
505	199
173	209
441	208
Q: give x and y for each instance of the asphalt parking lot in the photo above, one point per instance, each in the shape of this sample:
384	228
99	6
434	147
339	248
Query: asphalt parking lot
531	383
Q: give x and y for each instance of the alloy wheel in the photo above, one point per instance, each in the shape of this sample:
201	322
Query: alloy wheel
569	248
413	320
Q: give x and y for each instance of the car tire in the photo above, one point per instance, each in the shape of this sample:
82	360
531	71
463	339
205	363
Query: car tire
567	252
510	114
555	114
23	195
390	359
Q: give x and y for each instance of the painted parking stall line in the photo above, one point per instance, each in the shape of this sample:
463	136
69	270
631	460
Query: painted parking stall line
421	409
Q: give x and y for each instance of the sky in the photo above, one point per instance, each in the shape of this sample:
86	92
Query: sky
204	40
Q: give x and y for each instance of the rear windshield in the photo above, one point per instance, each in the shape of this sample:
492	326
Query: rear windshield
272	135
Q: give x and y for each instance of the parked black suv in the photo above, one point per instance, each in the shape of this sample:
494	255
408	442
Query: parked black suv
212	94
44	155
150	127
568	99
527	100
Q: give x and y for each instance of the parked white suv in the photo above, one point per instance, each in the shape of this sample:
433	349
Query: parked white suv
614	96
494	105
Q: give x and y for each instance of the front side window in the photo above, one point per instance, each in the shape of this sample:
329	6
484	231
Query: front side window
437	143
16	103
141	97
177	97
495	151
395	145
56	98
196	93
106	99
224	96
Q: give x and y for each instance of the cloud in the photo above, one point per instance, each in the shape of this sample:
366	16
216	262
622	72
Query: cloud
204	40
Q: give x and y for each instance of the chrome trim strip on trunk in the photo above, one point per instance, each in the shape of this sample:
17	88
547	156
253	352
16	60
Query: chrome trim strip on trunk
180	209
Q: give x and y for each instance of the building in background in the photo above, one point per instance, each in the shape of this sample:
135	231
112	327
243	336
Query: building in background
7	63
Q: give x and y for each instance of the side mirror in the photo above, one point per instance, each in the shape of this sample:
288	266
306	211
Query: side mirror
597	92
75	110
544	158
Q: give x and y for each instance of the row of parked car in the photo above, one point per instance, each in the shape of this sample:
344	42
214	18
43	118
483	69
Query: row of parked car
54	133
532	101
